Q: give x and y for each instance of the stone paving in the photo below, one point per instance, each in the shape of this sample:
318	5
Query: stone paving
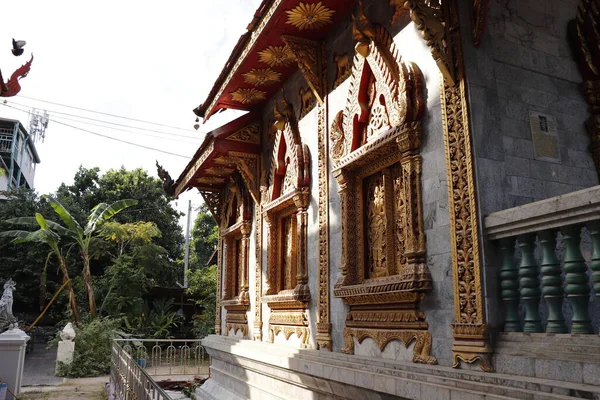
39	367
40	383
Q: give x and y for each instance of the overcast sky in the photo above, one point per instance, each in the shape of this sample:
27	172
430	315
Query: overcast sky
149	60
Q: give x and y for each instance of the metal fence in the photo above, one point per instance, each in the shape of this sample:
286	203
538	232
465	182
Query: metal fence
138	363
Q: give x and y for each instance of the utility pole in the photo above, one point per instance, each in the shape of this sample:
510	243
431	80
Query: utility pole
187	246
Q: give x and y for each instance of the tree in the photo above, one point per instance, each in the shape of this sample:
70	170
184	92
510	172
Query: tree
203	273
136	265
205	235
90	188
83	237
50	238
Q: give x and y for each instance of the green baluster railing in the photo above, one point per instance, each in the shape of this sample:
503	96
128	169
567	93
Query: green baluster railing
509	285
529	284
578	291
552	289
594	228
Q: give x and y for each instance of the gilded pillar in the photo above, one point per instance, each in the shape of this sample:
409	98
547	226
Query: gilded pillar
245	230
301	201
471	339
219	280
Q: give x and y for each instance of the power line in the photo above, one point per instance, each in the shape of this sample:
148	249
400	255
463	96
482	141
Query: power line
108	122
125	130
107	137
103	113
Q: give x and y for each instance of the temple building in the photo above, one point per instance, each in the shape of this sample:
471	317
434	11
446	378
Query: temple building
410	206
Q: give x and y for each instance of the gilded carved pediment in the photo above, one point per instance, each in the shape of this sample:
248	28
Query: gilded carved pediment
290	160
385	92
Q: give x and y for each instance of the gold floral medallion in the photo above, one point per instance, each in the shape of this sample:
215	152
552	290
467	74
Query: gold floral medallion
309	16
246	96
262	77
276	56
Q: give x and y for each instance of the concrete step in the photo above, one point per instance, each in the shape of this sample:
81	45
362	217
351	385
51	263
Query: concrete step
510	386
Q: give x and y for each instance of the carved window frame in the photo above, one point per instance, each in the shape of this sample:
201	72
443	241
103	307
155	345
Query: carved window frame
378	130
287	196
235	229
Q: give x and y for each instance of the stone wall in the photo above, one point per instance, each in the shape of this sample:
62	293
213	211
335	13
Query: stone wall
524	66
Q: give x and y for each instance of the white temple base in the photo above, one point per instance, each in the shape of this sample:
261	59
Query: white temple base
245	369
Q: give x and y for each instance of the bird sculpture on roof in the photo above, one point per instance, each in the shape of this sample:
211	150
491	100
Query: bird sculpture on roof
18	45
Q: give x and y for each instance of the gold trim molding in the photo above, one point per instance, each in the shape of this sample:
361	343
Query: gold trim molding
421	352
428	17
470	333
303	333
323	321
308	55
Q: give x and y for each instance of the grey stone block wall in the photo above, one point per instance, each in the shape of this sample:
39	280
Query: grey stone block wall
523	64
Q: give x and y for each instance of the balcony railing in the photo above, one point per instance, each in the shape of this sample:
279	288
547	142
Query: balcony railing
138	364
543	272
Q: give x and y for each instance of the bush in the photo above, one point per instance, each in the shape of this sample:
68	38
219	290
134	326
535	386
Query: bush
93	342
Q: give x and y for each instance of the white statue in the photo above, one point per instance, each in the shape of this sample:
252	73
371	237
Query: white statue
7	319
68	333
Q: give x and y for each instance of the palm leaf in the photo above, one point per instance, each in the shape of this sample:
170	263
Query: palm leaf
66	218
15	234
103	212
33	222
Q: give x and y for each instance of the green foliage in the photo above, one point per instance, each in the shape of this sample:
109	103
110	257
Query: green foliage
90	188
205	235
202	278
154	321
93	342
203	285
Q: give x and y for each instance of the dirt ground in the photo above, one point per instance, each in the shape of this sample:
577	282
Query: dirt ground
81	388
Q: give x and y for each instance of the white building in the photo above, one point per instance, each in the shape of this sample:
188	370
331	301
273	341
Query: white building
18	156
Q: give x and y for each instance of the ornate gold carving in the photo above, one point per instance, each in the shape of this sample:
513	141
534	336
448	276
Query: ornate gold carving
464	235
286	216
478	12
323	322
258	272
247	95
471	344
248	134
309	16
207	152
584	32
276	56
288	318
236	328
375	145
421	352
302	333
219	288
213	201
262	77
308	55
343	71
428	16
307	100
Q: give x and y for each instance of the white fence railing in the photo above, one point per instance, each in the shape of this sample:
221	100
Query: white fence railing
138	363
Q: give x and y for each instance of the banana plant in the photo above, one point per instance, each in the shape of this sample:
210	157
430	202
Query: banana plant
46	234
83	236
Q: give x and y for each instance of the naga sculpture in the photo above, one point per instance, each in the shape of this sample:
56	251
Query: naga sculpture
7	319
165	177
12	86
